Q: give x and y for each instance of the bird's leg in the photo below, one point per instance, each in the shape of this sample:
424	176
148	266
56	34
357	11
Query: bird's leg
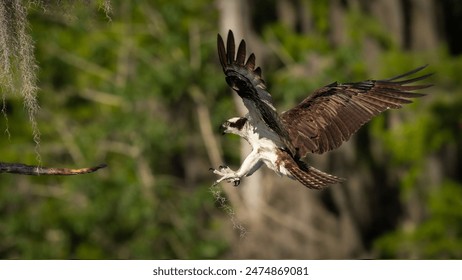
249	165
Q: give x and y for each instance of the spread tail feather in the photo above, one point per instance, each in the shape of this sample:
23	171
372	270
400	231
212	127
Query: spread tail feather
309	176
313	178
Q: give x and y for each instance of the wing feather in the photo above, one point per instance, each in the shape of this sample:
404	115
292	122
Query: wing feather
408	74
250	64
240	59
247	81
257	71
333	113
221	52
230	47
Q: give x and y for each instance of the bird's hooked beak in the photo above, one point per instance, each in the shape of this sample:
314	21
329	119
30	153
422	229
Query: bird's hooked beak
222	129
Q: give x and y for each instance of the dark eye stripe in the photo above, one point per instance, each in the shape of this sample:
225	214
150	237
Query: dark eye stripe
239	123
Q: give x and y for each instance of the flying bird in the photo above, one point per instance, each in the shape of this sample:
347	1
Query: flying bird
320	123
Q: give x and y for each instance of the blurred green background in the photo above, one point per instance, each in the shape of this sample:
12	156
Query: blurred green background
137	85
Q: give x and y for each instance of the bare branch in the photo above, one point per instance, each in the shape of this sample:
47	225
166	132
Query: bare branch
23	169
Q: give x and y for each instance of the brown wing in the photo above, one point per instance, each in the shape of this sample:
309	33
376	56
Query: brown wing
329	116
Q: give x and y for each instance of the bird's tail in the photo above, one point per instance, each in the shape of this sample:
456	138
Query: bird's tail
309	176
313	178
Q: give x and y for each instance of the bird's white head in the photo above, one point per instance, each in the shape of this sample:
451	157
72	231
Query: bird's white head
235	126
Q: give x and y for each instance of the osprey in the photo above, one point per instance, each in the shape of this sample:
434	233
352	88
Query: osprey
320	123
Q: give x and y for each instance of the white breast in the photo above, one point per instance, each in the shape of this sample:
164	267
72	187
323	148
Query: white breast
266	143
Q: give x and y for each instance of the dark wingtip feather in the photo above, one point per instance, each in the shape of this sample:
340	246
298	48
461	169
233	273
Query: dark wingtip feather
230	47
257	71
240	57
408	81
250	64
403	84
221	51
408	73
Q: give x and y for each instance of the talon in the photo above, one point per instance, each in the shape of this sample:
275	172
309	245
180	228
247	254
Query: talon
236	182
223	166
211	169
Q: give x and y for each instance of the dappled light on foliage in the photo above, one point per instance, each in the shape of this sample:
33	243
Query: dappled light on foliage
138	85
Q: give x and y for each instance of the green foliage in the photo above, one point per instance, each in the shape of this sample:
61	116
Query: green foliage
120	91
437	237
431	128
369	28
320	15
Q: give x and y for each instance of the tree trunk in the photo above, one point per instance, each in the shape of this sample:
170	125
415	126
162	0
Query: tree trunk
423	25
234	16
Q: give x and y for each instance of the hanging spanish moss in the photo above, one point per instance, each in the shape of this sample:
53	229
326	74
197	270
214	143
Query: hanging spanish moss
18	68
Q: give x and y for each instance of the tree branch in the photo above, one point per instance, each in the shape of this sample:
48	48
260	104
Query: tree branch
23	169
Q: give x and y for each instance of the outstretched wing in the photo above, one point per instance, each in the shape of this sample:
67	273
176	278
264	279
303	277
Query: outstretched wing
246	80
333	113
